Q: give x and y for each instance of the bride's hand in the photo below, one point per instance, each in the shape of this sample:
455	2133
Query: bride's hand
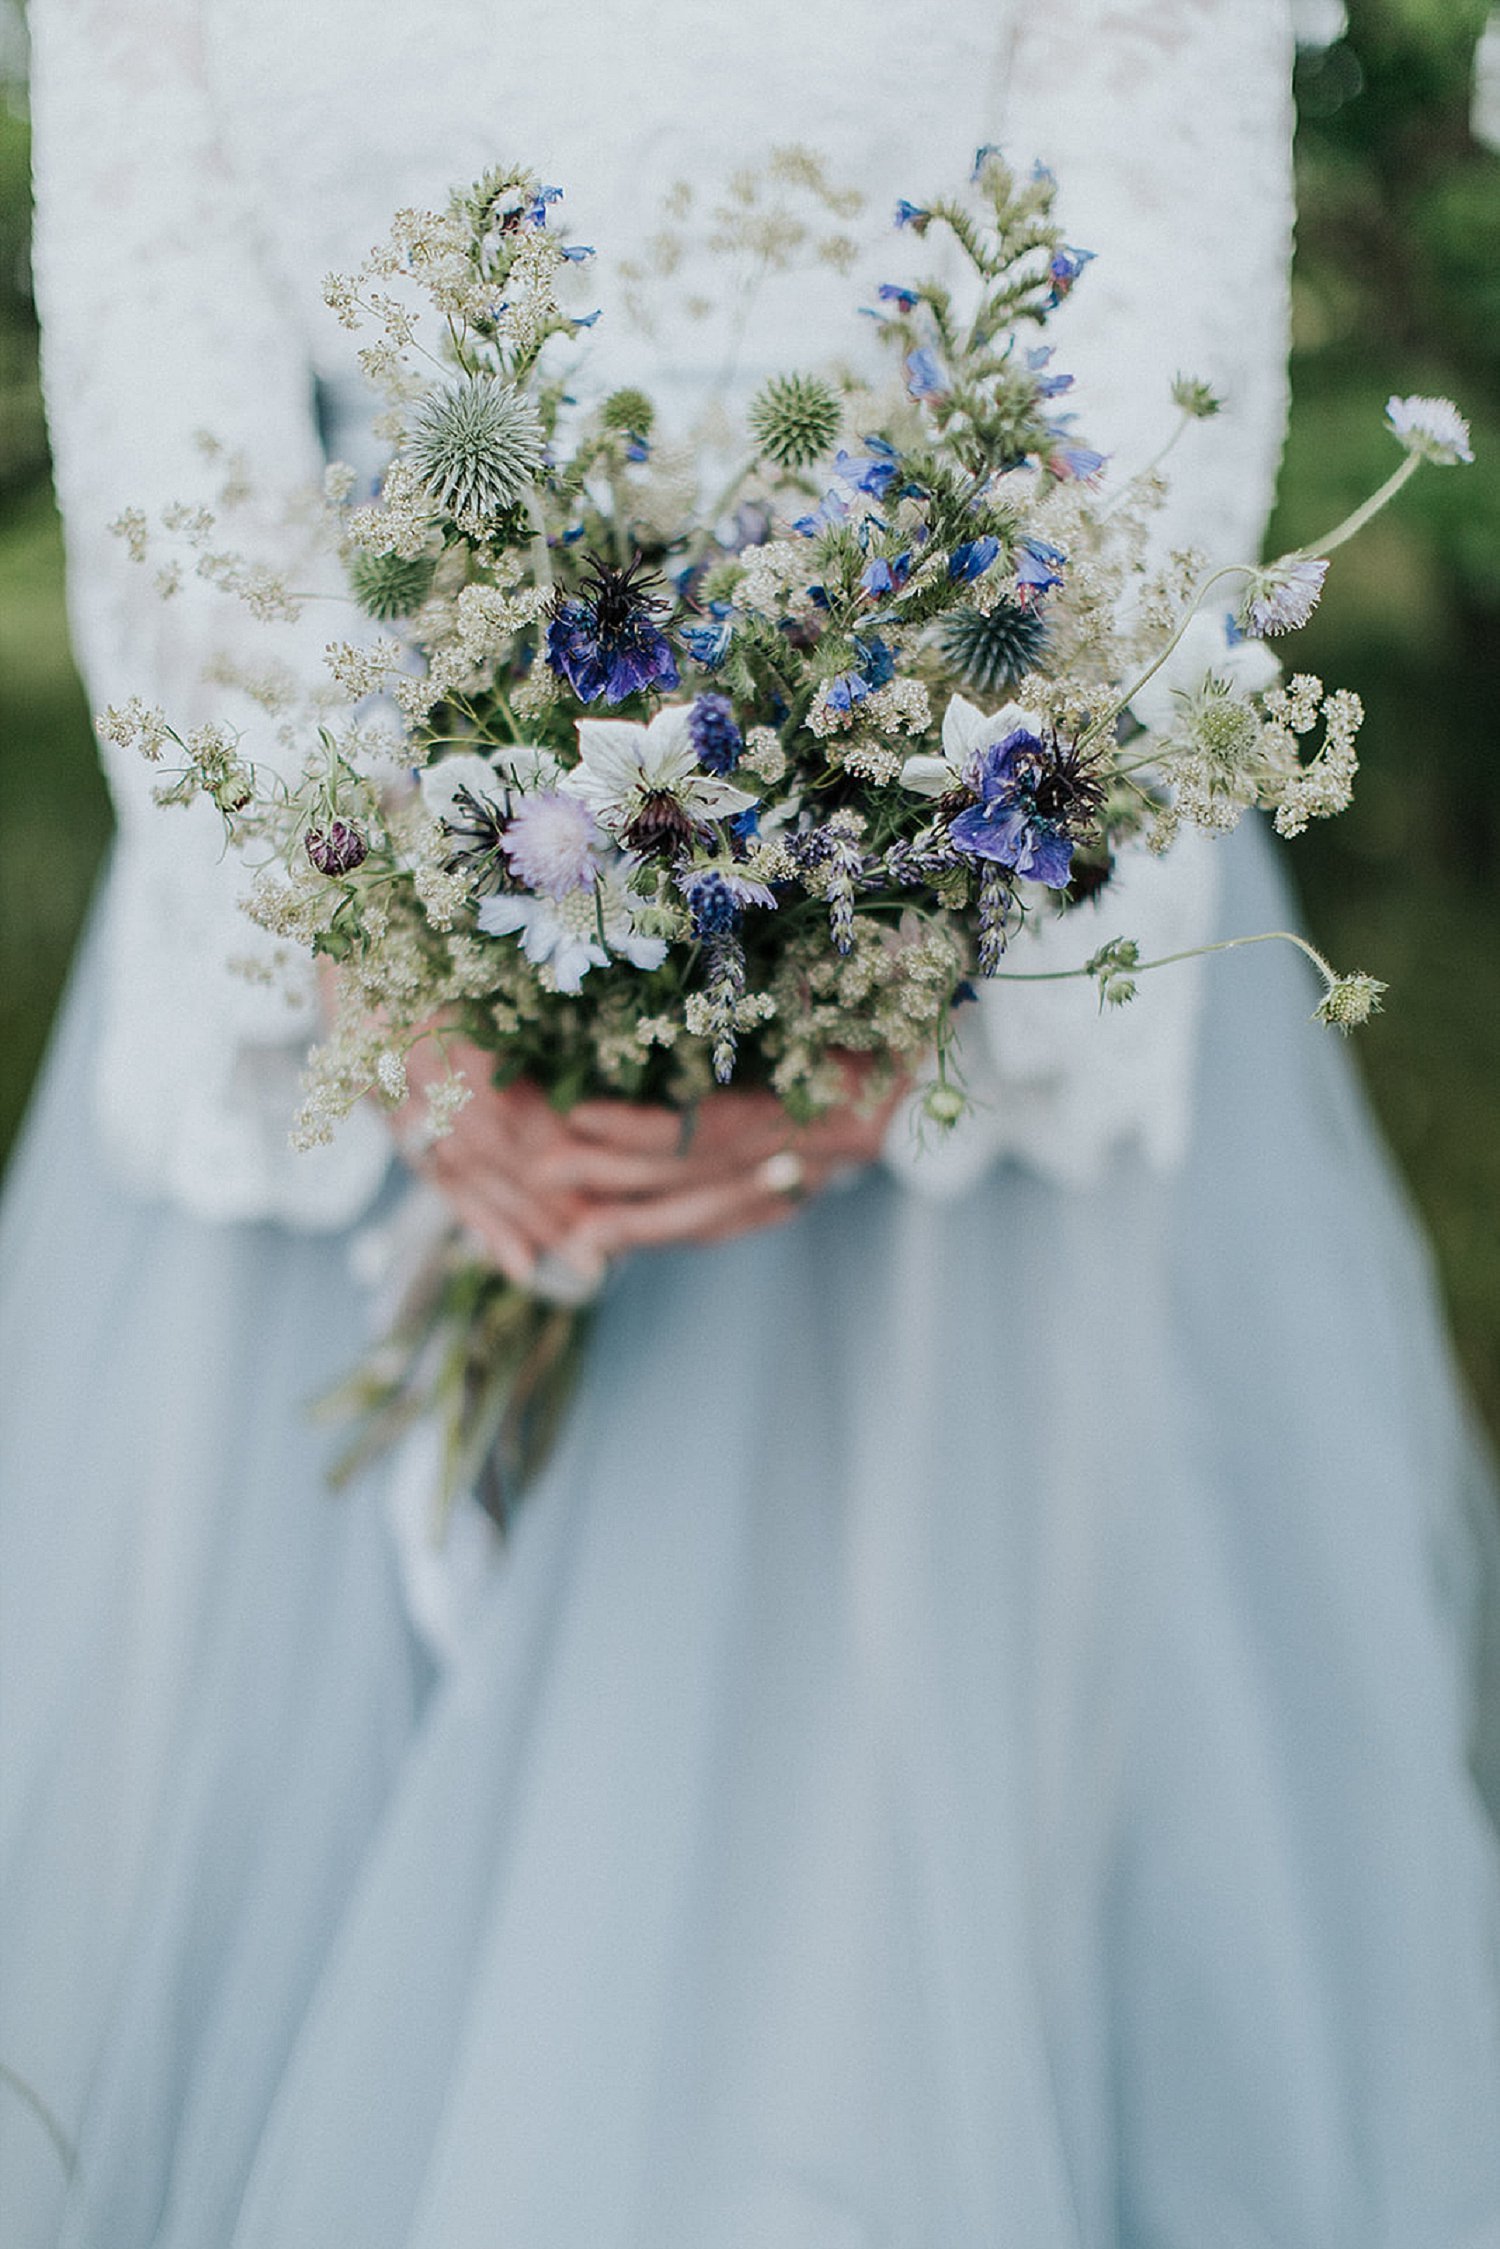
615	1175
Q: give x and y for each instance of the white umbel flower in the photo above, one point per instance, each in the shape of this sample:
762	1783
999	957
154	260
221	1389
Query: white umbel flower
1432	427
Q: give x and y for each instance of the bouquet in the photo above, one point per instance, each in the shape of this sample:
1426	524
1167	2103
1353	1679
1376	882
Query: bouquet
642	796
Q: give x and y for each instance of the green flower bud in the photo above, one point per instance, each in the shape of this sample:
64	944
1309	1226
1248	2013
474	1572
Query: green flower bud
794	419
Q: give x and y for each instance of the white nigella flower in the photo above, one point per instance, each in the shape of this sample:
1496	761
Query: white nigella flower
486	779
563	934
967	731
1432	427
1205	651
645	785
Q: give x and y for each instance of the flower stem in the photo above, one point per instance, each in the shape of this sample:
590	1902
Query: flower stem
1165	960
1190	611
1365	513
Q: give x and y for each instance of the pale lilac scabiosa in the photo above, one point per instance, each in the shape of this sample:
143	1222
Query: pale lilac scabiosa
551	843
606	640
645	784
569	936
1283	596
1432	427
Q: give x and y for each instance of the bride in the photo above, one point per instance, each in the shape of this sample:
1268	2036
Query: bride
880	1794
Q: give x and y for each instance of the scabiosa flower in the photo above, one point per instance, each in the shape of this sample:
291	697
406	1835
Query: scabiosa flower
794	419
337	849
1432	427
715	737
644	784
606	640
550	843
1195	398
475	446
1283	596
1063	271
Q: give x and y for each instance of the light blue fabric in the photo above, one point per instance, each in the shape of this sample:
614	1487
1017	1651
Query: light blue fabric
966	1751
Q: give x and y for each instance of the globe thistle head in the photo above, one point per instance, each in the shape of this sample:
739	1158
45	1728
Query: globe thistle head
794	419
992	649
475	446
389	585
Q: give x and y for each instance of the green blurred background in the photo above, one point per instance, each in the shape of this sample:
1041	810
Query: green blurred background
1397	287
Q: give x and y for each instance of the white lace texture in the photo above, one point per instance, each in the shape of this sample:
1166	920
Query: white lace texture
200	166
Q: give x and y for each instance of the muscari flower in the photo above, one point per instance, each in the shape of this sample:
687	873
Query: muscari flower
715	736
1282	597
1432	427
606	640
571	935
645	785
717	898
551	842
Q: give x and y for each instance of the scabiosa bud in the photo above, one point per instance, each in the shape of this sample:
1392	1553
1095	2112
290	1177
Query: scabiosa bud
1283	596
475	446
1432	427
794	419
1198	399
337	849
992	649
1350	1001
715	737
389	585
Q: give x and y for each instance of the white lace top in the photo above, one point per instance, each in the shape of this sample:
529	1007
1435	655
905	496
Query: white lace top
202	163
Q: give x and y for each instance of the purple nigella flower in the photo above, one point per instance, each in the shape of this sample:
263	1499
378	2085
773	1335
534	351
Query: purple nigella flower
913	215
924	377
605	640
972	559
714	735
1067	264
1032	800
550	842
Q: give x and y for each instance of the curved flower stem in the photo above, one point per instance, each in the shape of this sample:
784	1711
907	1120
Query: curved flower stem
1107	719
1363	514
1324	968
1162	453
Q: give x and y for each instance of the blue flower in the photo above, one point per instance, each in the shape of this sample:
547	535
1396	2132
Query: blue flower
913	215
924	376
882	577
717	898
873	471
576	252
875	660
972	559
832	508
1048	386
715	737
1067	264
890	294
587	319
606	641
1075	463
1039	568
536	213
1033	801
637	449
708	644
982	157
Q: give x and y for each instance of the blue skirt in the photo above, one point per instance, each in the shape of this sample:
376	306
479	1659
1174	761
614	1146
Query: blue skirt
970	1742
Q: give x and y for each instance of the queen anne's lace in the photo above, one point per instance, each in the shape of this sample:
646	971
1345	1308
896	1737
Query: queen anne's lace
240	153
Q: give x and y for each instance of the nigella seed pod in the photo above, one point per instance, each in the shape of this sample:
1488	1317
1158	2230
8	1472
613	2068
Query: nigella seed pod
337	849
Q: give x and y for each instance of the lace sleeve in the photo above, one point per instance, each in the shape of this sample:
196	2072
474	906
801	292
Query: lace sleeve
1168	123
158	323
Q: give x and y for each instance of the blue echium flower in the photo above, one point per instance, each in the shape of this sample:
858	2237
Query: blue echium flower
587	319
883	577
1033	802
1048	386
606	640
924	375
983	155
1039	567
576	252
714	735
913	215
972	559
1075	464
1067	264
891	293
831	509
536	212
708	644
873	471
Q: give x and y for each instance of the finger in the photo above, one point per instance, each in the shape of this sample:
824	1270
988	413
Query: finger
598	1172
636	1127
703	1214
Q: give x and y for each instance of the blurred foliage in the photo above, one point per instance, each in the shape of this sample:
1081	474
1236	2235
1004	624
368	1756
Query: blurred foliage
1397	288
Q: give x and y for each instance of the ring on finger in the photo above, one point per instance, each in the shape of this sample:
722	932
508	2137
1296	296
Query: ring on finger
784	1174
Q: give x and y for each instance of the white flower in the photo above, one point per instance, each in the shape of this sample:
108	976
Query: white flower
967	731
466	773
1283	595
563	934
1204	652
1432	427
648	778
